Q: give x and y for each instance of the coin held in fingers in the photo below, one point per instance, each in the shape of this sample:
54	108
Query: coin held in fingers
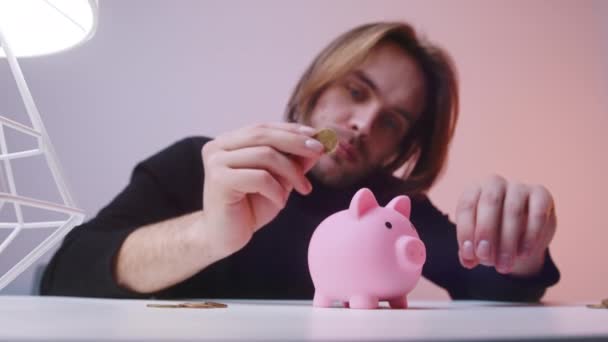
328	138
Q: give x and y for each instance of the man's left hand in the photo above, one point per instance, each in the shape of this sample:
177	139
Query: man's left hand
506	225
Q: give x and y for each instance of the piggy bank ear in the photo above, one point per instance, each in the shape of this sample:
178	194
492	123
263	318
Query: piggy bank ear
401	204
362	202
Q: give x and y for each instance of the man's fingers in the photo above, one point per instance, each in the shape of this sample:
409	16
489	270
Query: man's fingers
489	219
307	163
269	159
291	141
467	263
514	220
255	181
506	221
540	209
466	213
288	126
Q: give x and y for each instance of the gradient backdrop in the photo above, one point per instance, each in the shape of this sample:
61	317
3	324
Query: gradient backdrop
534	85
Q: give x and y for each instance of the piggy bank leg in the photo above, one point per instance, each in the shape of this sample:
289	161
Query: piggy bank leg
363	302
398	303
321	301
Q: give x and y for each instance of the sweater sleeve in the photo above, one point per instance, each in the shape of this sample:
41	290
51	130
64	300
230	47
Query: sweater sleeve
163	186
484	283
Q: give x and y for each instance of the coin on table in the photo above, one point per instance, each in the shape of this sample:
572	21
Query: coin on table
197	305
217	305
204	305
602	305
190	305
328	138
163	306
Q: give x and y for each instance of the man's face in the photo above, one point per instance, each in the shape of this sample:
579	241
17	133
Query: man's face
372	109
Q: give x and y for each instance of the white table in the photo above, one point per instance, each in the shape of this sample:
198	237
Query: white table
82	319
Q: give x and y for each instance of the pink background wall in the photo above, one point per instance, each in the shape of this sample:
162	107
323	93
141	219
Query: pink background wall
535	109
534	79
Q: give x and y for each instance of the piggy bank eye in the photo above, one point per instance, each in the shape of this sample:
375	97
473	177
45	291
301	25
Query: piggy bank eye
388	225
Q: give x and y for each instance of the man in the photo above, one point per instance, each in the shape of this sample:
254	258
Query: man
232	216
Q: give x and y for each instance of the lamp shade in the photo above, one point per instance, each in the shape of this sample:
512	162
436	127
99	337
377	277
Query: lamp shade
39	27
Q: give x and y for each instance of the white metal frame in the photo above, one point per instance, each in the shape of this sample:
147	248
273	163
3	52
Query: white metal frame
44	147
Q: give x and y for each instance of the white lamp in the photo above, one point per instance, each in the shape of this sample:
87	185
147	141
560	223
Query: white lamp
33	28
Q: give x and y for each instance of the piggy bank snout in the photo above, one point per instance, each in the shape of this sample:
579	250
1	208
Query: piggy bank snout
411	252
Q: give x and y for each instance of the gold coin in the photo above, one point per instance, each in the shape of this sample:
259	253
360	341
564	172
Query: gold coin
204	305
163	305
217	305
190	305
328	138
196	305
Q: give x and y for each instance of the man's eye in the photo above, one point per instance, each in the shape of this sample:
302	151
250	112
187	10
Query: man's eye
393	124
390	122
356	94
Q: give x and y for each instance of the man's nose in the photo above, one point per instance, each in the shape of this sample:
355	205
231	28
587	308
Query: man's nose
363	119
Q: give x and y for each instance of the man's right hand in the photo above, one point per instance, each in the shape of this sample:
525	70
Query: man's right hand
249	174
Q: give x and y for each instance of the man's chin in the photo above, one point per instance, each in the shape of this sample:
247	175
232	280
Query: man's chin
334	175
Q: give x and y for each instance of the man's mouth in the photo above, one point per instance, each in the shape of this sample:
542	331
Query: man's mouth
347	151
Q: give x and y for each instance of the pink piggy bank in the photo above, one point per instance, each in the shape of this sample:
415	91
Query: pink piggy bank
366	254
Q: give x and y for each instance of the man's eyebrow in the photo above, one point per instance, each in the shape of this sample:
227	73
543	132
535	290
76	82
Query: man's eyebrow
365	79
359	74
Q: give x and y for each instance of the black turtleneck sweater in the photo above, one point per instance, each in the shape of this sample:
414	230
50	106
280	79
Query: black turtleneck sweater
273	265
